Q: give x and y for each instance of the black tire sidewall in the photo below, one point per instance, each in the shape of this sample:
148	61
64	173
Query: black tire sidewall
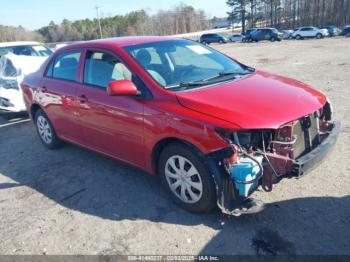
208	199
56	142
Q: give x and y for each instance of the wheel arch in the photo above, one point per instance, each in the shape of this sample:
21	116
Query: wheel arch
33	109
161	144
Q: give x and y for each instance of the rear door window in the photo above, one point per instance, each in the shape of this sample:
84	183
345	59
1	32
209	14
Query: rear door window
65	66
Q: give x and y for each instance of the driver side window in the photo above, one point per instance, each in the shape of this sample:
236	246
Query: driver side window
101	68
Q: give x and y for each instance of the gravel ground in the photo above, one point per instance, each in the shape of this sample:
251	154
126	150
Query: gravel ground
73	201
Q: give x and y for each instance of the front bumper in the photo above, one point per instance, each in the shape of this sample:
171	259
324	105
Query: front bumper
314	157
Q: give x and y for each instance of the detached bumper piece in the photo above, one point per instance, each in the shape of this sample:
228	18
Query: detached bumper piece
314	157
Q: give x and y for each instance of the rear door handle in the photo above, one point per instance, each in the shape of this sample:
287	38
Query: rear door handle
82	99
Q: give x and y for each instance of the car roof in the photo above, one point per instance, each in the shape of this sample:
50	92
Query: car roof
120	41
19	43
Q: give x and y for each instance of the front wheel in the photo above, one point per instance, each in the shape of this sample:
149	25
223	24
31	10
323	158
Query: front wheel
298	37
187	179
46	131
319	36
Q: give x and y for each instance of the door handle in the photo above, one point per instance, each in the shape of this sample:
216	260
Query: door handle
82	99
43	89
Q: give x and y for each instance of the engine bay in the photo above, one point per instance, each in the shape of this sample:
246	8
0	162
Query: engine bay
264	157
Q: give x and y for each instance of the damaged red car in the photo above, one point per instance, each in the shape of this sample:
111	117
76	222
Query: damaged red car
213	129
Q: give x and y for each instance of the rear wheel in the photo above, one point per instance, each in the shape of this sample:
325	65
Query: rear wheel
46	131
187	179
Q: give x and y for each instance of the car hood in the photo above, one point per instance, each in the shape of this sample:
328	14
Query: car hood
258	101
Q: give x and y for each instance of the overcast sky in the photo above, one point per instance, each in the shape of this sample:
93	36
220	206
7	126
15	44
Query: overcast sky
34	14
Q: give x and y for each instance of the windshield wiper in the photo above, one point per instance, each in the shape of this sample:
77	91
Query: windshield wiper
221	77
194	83
248	71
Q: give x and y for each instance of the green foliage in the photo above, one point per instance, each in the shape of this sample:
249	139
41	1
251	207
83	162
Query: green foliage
87	29
180	19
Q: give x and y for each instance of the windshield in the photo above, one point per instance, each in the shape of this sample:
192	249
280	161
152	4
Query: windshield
26	50
178	63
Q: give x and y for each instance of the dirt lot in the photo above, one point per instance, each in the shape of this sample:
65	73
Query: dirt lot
73	201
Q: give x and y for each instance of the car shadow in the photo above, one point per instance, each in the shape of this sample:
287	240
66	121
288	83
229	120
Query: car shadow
90	183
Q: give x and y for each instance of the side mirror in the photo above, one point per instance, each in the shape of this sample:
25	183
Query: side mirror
122	88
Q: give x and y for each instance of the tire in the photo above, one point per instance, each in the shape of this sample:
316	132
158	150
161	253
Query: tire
202	198
298	37
319	36
203	43
273	39
46	131
221	42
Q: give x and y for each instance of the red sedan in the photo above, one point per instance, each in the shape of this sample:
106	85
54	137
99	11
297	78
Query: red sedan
213	129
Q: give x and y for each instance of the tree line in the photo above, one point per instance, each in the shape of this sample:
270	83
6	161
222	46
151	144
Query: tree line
12	33
282	14
289	14
178	20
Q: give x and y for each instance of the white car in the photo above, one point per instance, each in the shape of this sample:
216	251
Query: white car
18	59
310	32
236	38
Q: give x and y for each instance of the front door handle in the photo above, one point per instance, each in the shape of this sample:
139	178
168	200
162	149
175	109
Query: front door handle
82	99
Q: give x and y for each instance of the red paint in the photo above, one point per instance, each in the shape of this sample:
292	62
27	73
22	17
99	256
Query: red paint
121	88
261	100
128	128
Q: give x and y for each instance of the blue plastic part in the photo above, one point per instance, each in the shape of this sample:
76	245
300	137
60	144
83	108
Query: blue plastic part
246	174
